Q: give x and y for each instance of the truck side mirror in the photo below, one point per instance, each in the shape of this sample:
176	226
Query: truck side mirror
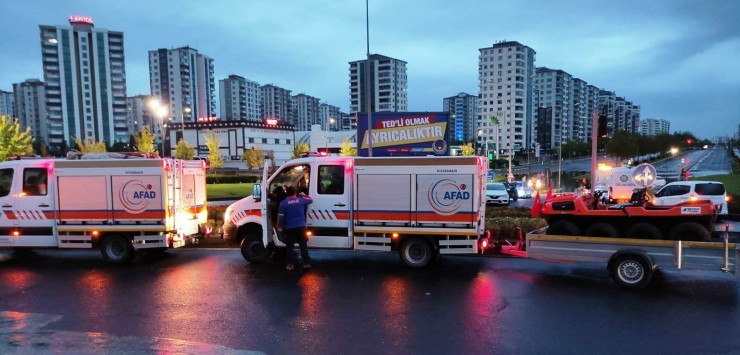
256	192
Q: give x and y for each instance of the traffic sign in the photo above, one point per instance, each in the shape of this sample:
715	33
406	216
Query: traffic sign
644	175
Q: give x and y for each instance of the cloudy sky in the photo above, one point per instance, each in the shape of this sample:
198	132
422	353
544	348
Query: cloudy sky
677	59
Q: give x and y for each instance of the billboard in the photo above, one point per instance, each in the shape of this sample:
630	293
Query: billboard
404	134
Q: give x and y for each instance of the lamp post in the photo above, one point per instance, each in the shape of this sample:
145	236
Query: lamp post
182	120
510	177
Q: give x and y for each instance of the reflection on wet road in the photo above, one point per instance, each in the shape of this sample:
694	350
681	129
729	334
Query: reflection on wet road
206	301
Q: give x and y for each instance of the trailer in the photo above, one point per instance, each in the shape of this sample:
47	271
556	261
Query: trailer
630	262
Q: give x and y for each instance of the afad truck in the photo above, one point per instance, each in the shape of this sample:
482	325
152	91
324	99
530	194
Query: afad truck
420	207
120	206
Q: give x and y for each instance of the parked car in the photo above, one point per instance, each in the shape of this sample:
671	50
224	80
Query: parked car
511	189
496	194
682	191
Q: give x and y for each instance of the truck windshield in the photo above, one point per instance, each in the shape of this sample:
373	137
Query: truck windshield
6	181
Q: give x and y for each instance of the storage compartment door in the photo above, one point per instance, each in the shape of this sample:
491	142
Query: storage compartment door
383	200
83	200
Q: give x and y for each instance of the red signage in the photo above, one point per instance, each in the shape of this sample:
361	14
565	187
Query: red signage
207	119
81	19
271	121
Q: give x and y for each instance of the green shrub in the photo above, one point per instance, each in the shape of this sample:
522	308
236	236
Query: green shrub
506	227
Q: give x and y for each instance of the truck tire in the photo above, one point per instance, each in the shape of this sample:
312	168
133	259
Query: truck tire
603	230
690	231
416	252
644	231
116	249
253	250
563	227
631	271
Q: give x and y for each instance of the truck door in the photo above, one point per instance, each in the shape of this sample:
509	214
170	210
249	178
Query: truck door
328	216
8	222
33	208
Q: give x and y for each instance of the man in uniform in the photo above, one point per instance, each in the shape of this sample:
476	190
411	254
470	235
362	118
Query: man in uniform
292	222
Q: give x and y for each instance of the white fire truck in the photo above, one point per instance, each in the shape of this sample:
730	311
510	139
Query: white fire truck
419	206
118	205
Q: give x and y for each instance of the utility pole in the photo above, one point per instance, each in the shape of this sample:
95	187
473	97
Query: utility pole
368	95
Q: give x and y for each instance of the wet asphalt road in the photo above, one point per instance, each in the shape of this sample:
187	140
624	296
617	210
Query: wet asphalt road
212	301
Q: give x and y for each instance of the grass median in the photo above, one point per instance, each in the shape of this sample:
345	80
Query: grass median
226	191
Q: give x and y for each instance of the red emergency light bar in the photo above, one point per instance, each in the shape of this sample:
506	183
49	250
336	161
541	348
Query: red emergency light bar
271	121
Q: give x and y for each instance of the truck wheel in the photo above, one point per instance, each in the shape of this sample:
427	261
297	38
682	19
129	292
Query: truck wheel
631	271
603	230
690	231
253	250
644	231
117	250
562	227
416	252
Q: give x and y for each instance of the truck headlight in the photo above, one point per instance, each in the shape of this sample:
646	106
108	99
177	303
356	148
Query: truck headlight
227	214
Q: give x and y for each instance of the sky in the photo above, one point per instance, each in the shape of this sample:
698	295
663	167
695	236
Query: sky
678	59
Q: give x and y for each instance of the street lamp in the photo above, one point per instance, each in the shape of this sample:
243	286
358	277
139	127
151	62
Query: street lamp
160	111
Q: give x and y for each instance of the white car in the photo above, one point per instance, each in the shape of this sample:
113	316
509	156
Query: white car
496	194
682	191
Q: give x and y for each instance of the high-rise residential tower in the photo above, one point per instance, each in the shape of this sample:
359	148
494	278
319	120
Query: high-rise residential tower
30	107
655	126
7	106
140	115
553	89
330	117
183	80
276	103
85	76
304	111
388	84
241	99
505	73
463	109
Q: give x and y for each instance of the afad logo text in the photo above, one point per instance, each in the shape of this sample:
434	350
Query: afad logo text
446	197
135	196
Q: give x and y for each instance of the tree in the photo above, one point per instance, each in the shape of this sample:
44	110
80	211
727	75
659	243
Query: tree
622	145
144	141
348	149
40	148
13	141
467	149
90	146
213	142
183	150
299	149
254	157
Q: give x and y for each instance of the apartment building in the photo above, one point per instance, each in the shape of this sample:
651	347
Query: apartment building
241	99
463	109
388	85
30	107
183	80
505	73
85	76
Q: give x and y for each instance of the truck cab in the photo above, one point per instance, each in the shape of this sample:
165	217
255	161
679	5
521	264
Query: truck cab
26	203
